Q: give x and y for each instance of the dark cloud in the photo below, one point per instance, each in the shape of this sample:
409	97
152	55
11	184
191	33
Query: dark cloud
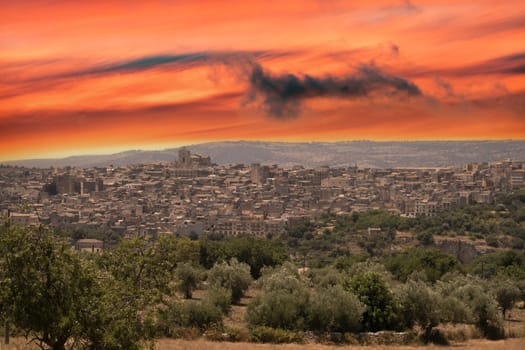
181	61
146	63
281	96
395	49
446	86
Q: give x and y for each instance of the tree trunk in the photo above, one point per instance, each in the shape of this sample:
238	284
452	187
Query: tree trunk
6	331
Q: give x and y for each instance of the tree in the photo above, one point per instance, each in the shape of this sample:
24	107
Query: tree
428	308
188	277
507	294
54	295
233	275
381	307
433	262
281	308
484	309
255	252
333	309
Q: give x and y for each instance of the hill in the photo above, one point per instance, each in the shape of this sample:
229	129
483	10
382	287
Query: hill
311	154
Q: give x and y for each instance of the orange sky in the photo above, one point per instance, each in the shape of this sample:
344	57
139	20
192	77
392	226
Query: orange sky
82	77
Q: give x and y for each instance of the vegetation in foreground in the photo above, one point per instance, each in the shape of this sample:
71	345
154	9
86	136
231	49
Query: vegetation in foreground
143	289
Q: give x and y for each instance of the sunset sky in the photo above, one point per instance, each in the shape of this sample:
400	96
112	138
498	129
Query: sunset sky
82	77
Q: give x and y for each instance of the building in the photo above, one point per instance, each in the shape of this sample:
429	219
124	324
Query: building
189	160
21	219
89	245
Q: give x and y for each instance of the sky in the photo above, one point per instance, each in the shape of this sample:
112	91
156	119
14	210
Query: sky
86	77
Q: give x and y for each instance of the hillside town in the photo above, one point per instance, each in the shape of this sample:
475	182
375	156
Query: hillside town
192	196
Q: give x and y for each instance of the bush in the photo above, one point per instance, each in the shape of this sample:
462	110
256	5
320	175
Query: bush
284	278
335	310
264	334
420	305
220	297
280	309
435	336
230	334
198	315
483	308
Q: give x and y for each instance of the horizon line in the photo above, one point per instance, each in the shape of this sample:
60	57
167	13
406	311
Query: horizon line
173	147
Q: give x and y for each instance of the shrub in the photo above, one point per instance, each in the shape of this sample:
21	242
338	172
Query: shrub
199	315
264	334
483	308
230	334
335	310
284	278
280	309
220	297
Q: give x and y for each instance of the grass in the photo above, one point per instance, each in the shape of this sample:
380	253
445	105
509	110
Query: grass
477	344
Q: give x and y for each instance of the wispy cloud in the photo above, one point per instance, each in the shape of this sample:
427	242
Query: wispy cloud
505	65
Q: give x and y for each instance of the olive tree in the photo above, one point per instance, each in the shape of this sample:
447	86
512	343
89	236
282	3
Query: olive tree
232	275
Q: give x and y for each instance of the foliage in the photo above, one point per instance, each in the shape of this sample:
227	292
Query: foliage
280	308
264	334
220	297
233	275
483	308
188	279
45	287
333	309
510	263
432	262
506	292
381	307
285	278
56	297
325	277
197	314
255	252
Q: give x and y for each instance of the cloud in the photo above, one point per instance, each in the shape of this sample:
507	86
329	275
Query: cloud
482	29
15	125
505	65
281	96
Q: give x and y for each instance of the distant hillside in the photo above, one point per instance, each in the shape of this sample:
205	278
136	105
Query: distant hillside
311	154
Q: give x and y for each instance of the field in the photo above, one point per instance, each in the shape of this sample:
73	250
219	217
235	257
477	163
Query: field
168	344
177	344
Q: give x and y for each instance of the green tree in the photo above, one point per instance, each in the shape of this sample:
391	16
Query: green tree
280	308
506	293
59	298
284	302
188	279
433	262
255	252
381	307
484	309
333	309
233	275
428	308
